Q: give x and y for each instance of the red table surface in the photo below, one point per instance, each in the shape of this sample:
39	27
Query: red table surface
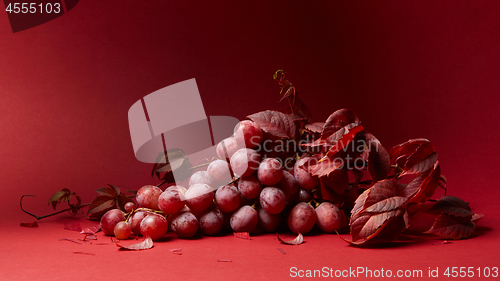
409	69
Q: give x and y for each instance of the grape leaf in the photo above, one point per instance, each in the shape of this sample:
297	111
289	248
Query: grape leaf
414	156
29	224
170	161
296	241
337	120
275	123
73	226
338	180
380	193
346	138
60	196
316	127
110	190
379	160
91	230
144	245
452	205
101	205
452	227
406	148
423	186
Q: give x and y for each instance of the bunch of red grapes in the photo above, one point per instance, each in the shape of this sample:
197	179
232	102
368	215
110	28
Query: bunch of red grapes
241	190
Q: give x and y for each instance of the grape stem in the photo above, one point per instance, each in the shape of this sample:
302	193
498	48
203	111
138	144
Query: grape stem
74	207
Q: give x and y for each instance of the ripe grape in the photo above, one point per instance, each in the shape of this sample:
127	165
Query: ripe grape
110	219
268	222
227	198
250	187
184	225
245	219
290	187
244	162
122	230
329	217
249	133
219	173
129	207
302	218
302	175
304	195
135	221
154	226
231	145
270	171
171	201
200	177
272	199
147	196
199	197
211	222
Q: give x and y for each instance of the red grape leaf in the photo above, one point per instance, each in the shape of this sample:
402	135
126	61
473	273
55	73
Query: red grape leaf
406	148
316	127
110	191
29	224
170	161
422	166
476	217
380	194
73	226
59	196
144	245
346	138
452	227
275	123
423	186
297	241
91	230
379	160
452	205
385	227
242	235
101	205
338	180
323	168
337	120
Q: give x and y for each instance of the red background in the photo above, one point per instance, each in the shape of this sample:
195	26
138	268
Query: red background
409	69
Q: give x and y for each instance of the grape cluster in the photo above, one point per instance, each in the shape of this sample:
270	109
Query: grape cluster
243	191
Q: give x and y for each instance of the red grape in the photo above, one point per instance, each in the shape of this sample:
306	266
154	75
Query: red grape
303	177
129	207
249	133
245	219
199	197
122	230
305	195
302	218
250	187
244	162
231	145
135	221
147	196
184	225
290	186
211	222
110	219
227	198
270	171
268	222
219	173
154	226
329	217
200	177
171	200
272	199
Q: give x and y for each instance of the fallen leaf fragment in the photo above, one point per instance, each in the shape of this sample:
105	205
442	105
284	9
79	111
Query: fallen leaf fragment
144	245
224	261
90	237
242	235
73	226
297	241
281	250
91	230
70	240
84	253
29	224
